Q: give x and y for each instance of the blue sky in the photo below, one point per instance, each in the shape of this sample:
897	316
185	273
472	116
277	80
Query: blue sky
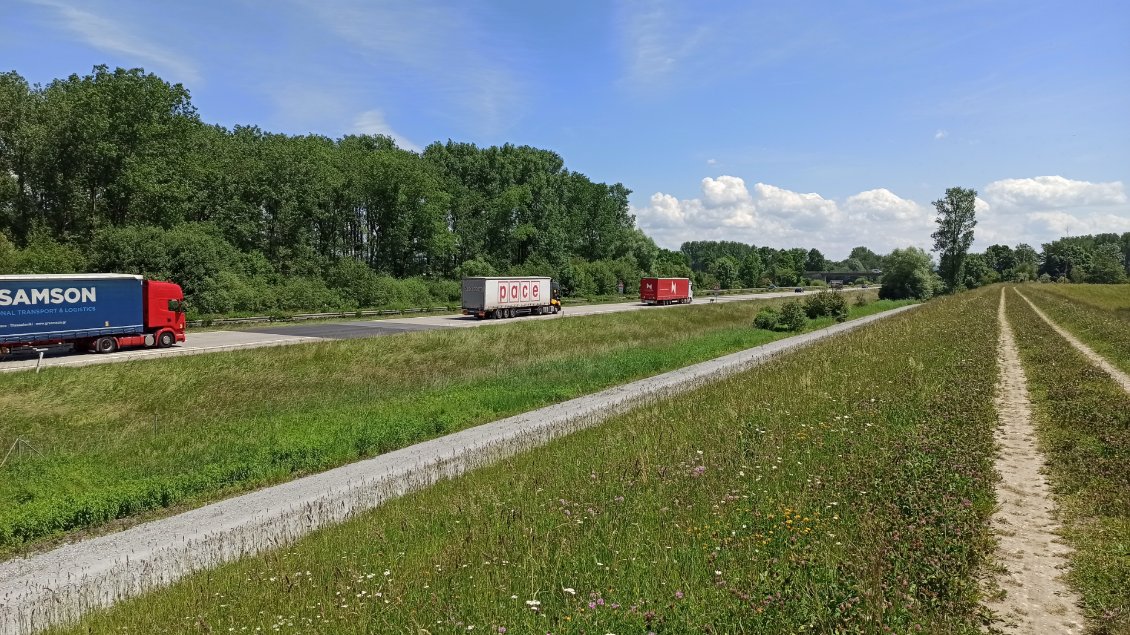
810	124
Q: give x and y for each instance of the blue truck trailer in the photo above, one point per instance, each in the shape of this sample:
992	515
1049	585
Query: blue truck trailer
98	312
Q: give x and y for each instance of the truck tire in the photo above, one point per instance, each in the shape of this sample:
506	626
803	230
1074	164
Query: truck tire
106	345
166	339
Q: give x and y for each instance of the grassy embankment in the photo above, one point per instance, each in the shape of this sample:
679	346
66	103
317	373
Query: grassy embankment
120	440
1083	420
842	488
1099	315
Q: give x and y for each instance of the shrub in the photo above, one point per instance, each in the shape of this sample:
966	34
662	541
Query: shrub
767	318
908	274
792	316
826	303
306	294
1045	278
445	291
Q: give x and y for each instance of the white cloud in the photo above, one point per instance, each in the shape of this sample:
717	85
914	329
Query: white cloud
941	134
113	36
711	161
1040	209
372	122
883	205
1055	192
778	217
803	211
770	215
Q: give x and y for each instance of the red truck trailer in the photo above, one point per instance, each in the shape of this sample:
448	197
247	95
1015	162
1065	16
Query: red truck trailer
666	290
93	312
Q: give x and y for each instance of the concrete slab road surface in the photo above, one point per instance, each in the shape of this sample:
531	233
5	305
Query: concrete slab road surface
282	334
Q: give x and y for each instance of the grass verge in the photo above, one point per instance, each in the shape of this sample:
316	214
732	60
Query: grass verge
1083	423
120	440
1099	315
842	488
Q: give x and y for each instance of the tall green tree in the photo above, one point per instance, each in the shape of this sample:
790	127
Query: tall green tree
752	270
1027	262
956	220
815	261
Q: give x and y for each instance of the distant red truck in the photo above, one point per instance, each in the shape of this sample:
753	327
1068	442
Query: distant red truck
666	290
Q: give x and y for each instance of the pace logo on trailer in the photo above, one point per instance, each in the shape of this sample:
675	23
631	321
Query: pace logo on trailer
57	295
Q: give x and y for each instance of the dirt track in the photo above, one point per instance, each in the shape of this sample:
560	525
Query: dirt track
1122	378
1036	601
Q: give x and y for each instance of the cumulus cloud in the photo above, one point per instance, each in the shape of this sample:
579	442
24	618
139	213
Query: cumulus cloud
1054	192
1040	209
373	122
771	215
941	134
882	205
711	161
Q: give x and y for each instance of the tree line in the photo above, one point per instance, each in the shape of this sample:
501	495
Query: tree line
115	171
1100	259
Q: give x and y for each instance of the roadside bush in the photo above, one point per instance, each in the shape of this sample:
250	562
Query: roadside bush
826	303
445	291
306	294
767	318
908	274
1045	278
792	316
228	292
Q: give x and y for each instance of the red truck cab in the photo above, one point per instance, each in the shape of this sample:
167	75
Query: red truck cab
164	311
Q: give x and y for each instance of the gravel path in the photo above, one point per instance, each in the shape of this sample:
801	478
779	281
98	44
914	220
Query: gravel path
1122	378
59	585
1036	601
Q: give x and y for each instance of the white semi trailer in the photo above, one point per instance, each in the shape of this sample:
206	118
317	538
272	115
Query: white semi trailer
506	297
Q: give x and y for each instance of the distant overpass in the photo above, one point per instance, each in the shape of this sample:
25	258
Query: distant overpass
847	276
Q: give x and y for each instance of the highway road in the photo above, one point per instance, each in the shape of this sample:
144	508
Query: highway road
284	334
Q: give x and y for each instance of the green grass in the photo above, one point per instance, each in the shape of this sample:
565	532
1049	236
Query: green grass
120	440
1099	315
842	488
1083	420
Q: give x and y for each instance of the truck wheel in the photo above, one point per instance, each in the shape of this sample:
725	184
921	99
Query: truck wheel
166	339
106	345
